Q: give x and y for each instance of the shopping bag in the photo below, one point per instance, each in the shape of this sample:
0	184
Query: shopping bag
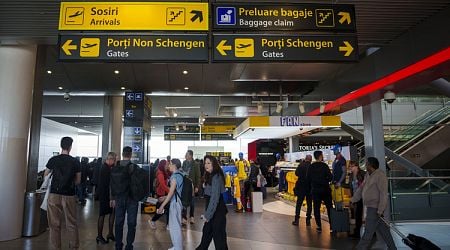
337	193
46	186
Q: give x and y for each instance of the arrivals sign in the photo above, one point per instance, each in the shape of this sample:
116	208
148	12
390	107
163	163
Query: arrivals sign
131	47
292	17
185	16
284	48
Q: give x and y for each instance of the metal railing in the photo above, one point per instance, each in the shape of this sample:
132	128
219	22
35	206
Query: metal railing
420	199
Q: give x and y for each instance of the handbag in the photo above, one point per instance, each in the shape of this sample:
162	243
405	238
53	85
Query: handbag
46	186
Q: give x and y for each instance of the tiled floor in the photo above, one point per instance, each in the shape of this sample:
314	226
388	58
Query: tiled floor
271	229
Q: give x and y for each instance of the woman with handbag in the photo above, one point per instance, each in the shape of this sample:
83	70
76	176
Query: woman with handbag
162	189
103	193
215	214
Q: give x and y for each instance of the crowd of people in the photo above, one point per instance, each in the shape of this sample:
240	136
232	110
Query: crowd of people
316	182
112	182
70	178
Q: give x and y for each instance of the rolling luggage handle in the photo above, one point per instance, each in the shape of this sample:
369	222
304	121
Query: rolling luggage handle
395	229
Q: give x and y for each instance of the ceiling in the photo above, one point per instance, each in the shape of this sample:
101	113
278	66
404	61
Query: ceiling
379	22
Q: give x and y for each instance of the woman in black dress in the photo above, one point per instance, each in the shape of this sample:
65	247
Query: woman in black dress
103	195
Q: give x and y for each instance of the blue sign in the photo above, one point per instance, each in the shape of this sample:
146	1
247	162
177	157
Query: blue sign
136	148
138	96
129	113
226	16
137	131
130	96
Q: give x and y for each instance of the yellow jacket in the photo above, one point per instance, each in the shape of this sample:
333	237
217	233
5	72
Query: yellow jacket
241	164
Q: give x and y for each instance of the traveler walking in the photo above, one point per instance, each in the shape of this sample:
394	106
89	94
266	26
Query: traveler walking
303	190
103	191
162	189
121	199
174	197
374	195
215	215
81	188
339	167
356	179
192	169
320	177
62	202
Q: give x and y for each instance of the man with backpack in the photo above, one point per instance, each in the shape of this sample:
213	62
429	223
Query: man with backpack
62	202
192	169
122	198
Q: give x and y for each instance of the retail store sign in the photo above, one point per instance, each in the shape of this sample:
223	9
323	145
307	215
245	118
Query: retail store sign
284	48
288	17
142	47
183	16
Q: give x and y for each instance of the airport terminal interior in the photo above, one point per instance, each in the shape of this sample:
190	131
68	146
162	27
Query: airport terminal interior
251	83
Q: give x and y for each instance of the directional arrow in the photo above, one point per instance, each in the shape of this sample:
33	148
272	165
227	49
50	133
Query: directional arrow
197	14
348	49
67	47
345	16
136	148
221	47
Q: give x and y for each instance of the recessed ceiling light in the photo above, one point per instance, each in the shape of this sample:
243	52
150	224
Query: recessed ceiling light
116	72
186	88
75	122
60	88
185	72
49	72
122	88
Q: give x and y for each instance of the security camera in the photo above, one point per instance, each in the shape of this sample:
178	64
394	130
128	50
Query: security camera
389	97
253	129
66	96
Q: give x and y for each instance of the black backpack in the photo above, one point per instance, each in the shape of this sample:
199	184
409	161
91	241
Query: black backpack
187	191
139	182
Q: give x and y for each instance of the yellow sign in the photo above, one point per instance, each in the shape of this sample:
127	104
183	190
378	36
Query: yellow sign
219	129
133	16
90	47
244	47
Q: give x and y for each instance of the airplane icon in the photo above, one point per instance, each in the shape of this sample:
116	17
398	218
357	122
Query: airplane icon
88	45
78	13
243	46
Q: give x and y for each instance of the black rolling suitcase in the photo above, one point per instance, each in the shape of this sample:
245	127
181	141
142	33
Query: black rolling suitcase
340	221
340	217
413	241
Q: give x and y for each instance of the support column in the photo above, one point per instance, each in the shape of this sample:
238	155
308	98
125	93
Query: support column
36	117
373	132
116	124
112	125
17	69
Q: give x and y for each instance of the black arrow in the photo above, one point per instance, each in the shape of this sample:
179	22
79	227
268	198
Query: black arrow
197	14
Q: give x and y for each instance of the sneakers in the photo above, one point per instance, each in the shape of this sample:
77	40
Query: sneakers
295	223
184	222
192	221
152	224
319	229
167	228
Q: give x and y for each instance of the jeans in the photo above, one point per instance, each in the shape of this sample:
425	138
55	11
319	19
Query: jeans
81	191
375	224
175	224
129	207
191	209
